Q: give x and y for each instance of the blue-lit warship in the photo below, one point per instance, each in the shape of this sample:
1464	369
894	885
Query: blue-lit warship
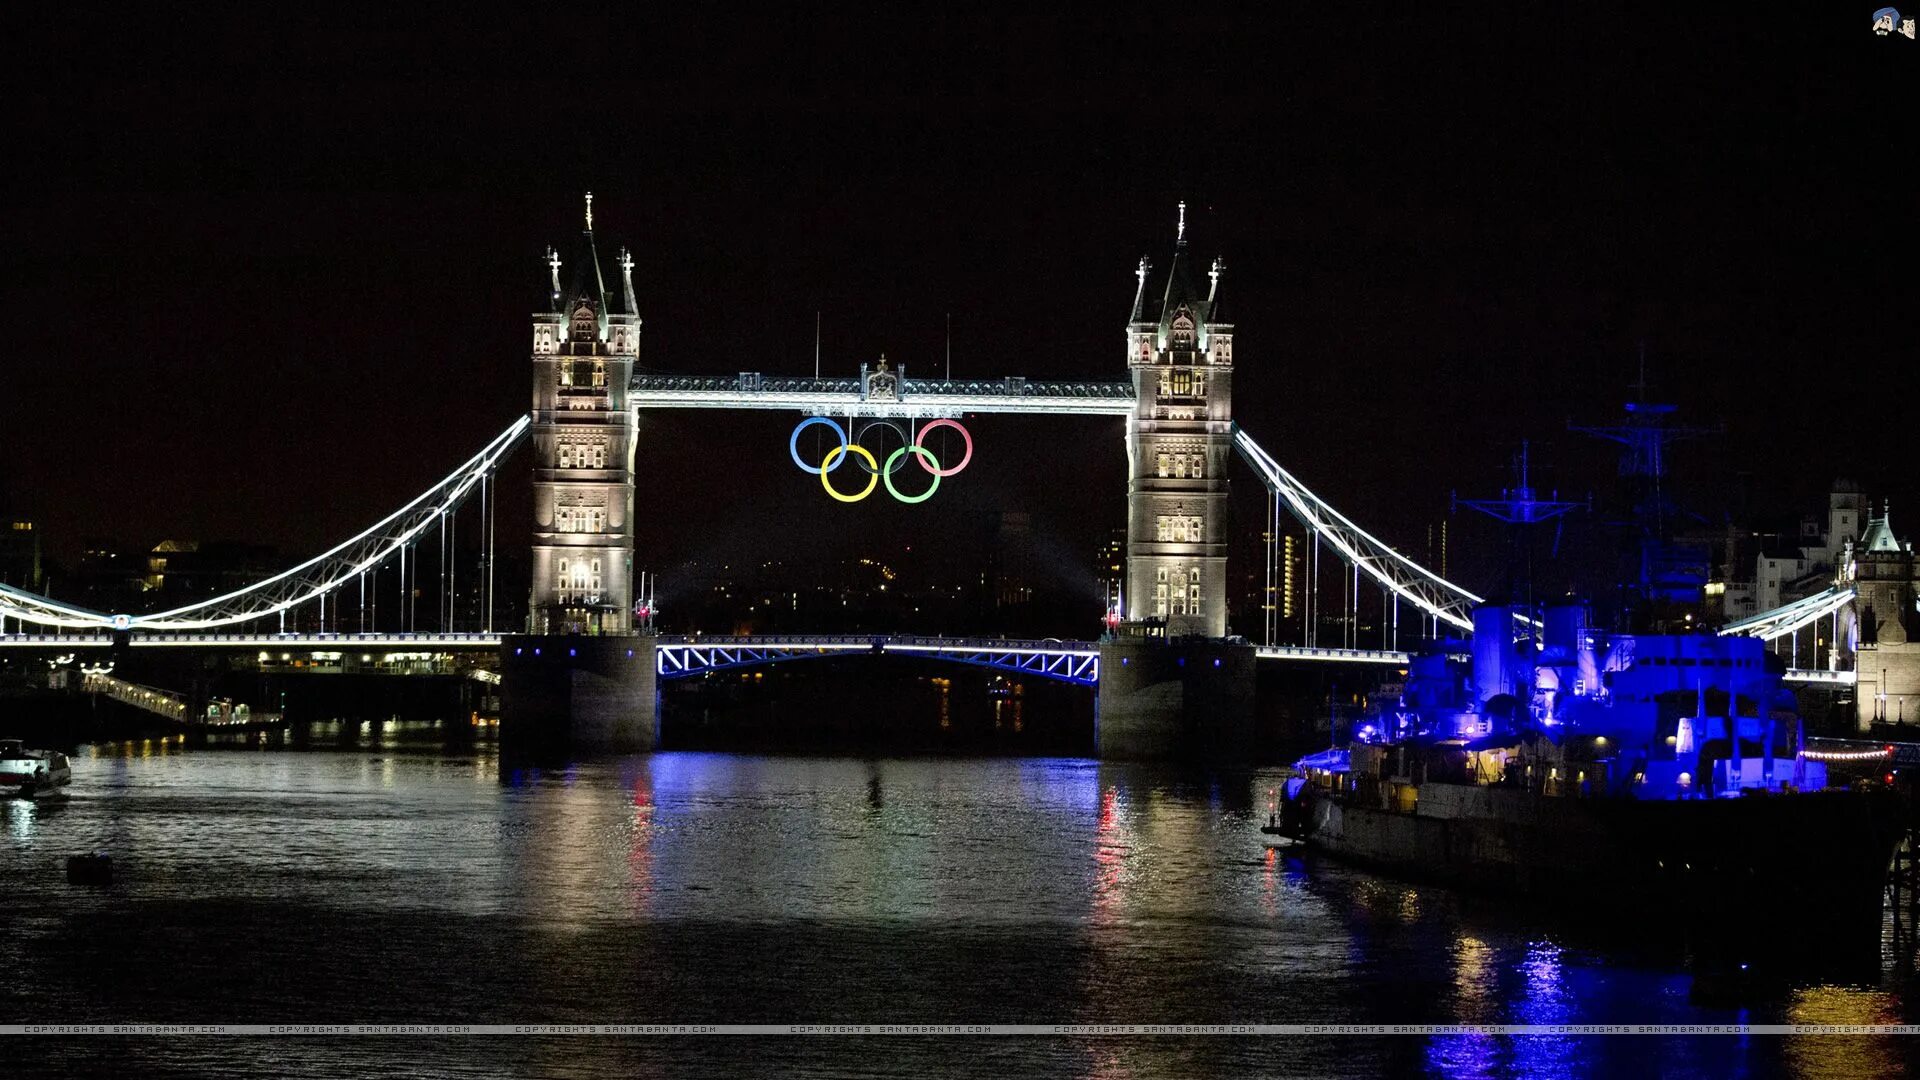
1658	774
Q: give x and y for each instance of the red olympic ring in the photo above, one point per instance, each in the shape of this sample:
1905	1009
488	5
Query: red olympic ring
920	441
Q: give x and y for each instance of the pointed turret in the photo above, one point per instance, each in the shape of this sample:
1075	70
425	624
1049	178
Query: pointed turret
1215	314
1879	535
1180	291
1140	291
631	305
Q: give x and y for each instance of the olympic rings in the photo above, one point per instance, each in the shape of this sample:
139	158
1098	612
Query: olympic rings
925	455
793	442
833	458
869	464
860	435
934	468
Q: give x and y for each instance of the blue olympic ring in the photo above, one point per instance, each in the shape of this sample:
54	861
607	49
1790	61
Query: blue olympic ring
793	443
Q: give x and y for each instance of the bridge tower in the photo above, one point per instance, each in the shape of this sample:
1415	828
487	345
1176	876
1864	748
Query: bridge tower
1171	685
1179	442
584	347
581	676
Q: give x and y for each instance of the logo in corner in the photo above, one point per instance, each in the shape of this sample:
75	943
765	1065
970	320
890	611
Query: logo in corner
1888	21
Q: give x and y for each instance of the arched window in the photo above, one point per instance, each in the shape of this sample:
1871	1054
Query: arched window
1197	469
586	325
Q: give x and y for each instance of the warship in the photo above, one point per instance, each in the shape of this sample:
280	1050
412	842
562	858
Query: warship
1651	769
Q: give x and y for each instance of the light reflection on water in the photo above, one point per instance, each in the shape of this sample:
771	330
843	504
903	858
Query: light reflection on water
390	877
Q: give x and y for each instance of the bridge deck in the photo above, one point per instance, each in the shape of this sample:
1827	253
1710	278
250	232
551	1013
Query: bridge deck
791	646
917	397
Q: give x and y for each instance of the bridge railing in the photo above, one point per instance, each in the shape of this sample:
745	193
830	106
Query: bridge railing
163	703
881	640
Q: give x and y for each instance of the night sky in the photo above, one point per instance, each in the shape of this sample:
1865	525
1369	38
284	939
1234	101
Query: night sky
268	281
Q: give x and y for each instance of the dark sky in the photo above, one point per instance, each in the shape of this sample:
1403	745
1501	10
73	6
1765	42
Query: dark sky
269	280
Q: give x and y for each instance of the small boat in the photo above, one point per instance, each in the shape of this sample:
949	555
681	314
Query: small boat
32	774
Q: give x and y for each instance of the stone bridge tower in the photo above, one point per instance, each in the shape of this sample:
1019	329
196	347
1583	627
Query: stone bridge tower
584	346
1179	442
581	676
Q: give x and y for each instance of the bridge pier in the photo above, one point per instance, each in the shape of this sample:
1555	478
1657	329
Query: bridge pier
1186	698
578	692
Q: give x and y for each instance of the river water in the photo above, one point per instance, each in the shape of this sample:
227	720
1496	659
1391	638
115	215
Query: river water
388	878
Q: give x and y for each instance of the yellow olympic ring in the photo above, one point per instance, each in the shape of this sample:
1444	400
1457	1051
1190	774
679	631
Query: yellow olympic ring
833	455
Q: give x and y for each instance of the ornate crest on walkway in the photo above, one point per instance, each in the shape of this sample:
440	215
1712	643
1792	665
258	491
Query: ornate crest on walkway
881	384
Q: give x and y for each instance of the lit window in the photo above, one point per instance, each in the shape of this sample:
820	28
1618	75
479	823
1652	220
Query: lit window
1162	465
1182	383
566	456
1160	598
1180	466
1163	532
599	455
1198	469
1193	534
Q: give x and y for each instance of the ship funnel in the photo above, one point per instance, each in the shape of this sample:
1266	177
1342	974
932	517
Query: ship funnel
1499	666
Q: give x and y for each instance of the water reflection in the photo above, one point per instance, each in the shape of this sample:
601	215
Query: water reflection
707	886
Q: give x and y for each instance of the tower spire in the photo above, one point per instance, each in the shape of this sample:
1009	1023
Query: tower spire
1140	291
553	264
626	280
1181	236
589	211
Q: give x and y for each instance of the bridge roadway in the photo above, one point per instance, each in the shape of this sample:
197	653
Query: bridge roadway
916	398
678	656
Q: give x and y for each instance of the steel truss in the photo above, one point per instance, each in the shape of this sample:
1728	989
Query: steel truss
1065	661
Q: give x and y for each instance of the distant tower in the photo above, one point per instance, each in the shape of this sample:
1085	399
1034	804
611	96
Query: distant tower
584	346
1179	438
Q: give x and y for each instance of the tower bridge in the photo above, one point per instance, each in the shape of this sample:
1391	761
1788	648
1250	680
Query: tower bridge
587	664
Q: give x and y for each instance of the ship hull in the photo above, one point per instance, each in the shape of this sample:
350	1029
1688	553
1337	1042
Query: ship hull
1757	864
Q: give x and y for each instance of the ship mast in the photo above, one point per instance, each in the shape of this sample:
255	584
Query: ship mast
1651	512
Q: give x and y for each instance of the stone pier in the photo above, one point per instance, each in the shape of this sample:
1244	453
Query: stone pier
1180	699
579	692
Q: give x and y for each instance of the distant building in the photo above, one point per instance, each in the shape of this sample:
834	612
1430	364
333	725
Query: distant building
1011	569
20	555
1788	573
187	570
1110	564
